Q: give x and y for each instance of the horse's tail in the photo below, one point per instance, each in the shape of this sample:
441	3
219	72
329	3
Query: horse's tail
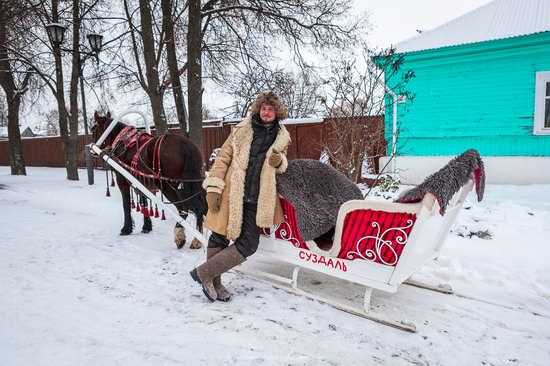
193	176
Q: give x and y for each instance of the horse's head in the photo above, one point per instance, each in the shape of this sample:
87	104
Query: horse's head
99	126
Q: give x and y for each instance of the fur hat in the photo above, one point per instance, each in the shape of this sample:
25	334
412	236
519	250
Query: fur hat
269	97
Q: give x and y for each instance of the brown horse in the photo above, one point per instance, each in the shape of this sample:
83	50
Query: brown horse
171	164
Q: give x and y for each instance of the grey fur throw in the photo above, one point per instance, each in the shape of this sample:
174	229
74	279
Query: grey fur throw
444	183
316	190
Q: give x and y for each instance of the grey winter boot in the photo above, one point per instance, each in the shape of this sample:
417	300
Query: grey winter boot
223	293
215	266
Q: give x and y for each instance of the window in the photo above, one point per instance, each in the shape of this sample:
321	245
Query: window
542	103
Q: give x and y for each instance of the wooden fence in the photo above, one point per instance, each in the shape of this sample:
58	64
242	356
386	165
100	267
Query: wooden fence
308	139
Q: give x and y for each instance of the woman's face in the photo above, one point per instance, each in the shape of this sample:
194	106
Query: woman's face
267	113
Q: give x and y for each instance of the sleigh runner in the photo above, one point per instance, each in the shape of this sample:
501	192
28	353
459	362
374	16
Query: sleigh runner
376	244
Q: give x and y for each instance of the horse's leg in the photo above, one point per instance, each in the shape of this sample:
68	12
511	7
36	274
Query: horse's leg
124	187
179	230
147	223
171	194
183	208
195	243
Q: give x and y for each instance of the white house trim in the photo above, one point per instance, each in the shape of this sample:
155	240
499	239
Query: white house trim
542	79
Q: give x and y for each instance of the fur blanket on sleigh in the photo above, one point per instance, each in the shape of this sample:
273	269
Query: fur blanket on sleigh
316	191
444	183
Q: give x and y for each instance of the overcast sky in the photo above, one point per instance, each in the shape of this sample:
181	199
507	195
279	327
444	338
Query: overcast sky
397	20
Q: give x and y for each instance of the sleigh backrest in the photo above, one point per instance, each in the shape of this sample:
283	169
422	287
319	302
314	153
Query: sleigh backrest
404	236
374	231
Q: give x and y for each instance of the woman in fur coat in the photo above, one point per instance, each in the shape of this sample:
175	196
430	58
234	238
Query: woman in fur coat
241	191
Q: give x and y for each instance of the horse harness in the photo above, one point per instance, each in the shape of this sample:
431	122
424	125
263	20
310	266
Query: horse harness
130	137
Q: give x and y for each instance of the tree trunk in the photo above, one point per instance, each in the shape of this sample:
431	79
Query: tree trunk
13	101
194	72
72	167
60	97
168	26
17	161
151	67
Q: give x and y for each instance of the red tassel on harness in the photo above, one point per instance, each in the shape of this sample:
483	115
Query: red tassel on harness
151	212
156	212
112	182
145	211
133	203
163	217
108	194
137	208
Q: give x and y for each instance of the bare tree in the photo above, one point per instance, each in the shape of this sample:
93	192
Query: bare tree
153	48
248	32
169	15
355	94
14	76
76	11
3	112
300	90
220	37
194	71
49	122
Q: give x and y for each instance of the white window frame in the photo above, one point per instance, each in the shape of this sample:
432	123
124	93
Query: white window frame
542	77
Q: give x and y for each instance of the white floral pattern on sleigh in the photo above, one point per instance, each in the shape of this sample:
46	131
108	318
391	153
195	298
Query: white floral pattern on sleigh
367	234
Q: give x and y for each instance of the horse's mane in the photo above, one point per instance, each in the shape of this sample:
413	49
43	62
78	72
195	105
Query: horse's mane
118	127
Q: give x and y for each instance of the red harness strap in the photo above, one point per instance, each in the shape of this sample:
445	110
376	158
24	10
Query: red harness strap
156	154
156	168
129	137
136	157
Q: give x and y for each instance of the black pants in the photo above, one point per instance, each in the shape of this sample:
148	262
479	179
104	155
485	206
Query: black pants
247	242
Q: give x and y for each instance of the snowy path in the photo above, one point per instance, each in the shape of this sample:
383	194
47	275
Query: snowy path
73	292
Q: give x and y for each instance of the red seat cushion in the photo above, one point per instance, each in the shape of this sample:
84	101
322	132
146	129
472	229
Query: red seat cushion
289	229
377	236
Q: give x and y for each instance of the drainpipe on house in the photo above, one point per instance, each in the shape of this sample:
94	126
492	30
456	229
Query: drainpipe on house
393	165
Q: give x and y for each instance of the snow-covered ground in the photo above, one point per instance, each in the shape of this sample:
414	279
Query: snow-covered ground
74	292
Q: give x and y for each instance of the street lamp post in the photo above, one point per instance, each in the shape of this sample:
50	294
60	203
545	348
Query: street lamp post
56	33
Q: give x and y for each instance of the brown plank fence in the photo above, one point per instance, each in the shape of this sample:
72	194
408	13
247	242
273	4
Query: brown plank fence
308	140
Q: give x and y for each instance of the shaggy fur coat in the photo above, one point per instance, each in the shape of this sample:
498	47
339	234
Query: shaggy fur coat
227	177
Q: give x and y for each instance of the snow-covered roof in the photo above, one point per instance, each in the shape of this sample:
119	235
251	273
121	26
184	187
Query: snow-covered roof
495	20
22	128
295	121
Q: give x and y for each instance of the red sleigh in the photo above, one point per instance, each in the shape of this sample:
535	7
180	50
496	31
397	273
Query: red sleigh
376	244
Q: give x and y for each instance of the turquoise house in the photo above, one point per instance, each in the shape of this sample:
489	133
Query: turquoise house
481	81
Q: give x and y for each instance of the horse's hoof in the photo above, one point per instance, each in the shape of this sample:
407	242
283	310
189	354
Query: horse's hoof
179	237
146	231
125	232
195	244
